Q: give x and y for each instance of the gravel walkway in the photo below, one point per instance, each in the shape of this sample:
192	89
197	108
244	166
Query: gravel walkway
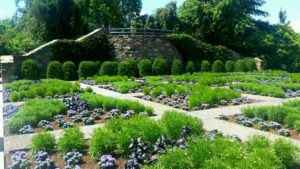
207	116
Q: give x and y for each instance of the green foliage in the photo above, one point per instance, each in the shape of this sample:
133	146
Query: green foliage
109	68
229	66
88	69
54	70
34	111
88	89
71	140
257	142
125	87
261	89
218	66
240	66
172	123
69	70
146	91
297	126
156	92
250	65
175	159
205	66
30	70
286	151
107	79
190	67
145	68
160	67
43	142
103	142
169	89
128	68
200	151
177	67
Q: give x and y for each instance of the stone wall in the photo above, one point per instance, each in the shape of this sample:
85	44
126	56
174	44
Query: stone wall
139	47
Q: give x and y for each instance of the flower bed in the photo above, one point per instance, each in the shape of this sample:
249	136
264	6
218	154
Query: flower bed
46	88
175	141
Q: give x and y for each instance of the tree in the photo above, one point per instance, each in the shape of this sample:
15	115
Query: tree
282	16
166	18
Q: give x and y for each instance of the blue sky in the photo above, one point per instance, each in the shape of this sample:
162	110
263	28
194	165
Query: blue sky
7	8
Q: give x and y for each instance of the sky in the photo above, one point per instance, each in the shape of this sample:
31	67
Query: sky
7	8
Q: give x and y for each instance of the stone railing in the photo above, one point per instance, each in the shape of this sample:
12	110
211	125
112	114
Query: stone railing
138	31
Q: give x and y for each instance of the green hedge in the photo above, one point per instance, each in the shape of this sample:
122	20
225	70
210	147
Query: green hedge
30	69
190	67
88	69
160	67
218	67
145	68
250	65
95	49
54	70
240	66
70	72
229	66
177	67
205	66
128	68
109	68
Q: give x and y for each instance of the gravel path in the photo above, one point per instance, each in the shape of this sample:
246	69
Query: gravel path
207	116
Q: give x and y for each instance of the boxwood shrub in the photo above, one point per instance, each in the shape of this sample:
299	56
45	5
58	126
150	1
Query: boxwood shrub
250	65
109	68
128	68
240	66
205	66
54	70
88	69
229	66
160	67
30	70
70	72
145	68
177	67
218	66
190	67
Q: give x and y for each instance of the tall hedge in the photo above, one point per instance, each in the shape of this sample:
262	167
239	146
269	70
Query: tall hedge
229	66
128	68
54	70
88	69
251	65
240	66
205	66
218	67
30	70
190	67
70	72
145	67
109	68
177	67
160	67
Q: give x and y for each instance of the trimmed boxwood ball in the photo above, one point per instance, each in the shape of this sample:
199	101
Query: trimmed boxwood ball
240	66
229	66
69	70
30	69
217	66
54	70
88	69
160	67
190	67
109	68
145	68
177	67
205	66
128	68
251	65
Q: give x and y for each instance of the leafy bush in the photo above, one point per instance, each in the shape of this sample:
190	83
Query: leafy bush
107	79
205	66
34	111
169	89
175	159
172	123
88	69
109	68
145	68
257	142
128	68
125	87
54	70
69	70
240	66
286	151
250	65
156	92
88	89
30	70
43	142
229	66
217	66
146	91
261	89
177	67
190	67
200	151
71	140
297	126
103	142
160	67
